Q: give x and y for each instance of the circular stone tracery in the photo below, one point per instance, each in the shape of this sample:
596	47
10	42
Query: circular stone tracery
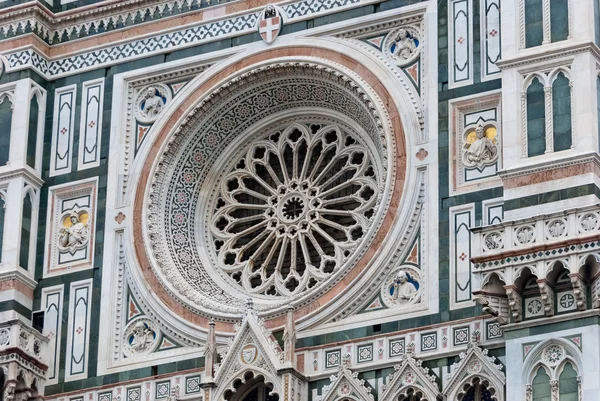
294	208
184	197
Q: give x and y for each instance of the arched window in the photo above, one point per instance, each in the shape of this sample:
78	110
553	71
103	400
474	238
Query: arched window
411	395
26	226
5	123
561	112
536	119
34	111
534	23
559	20
478	392
541	386
567	384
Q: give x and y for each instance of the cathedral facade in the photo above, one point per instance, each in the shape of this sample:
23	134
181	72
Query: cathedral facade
300	200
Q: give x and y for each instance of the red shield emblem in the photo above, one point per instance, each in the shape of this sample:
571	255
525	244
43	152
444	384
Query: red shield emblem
269	25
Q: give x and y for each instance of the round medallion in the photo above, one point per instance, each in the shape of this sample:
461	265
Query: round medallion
409	378
140	337
474	367
344	389
553	354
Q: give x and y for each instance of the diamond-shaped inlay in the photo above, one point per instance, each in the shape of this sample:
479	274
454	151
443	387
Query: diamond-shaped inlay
79	330
460	40
63	130
462	256
92	124
493	33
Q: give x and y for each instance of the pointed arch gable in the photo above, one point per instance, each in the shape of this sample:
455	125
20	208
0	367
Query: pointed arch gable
410	374
475	364
346	385
535	359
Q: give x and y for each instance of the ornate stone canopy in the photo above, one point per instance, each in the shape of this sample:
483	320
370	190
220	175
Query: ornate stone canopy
272	187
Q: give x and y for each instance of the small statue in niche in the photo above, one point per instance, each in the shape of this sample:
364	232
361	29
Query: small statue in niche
482	150
405	46
142	337
153	104
404	290
74	235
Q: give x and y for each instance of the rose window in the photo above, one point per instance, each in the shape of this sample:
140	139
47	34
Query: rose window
293	207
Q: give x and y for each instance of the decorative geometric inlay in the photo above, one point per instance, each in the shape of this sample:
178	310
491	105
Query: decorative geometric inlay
429	341
333	358
364	353
396	347
461	336
192	384
105	397
494	330
534	307
566	301
163	389
134	394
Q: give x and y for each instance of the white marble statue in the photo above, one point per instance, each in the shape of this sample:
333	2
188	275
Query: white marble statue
142	337
404	291
482	150
405	46
153	104
75	235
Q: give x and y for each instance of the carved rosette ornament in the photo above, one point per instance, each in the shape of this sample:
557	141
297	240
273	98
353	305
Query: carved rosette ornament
402	45
151	101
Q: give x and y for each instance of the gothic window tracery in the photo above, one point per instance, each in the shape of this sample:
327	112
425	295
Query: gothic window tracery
544	21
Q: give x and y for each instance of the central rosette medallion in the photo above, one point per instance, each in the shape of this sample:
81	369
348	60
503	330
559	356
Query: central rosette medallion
293	208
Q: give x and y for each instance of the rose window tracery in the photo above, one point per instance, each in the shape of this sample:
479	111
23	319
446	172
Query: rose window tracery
293	208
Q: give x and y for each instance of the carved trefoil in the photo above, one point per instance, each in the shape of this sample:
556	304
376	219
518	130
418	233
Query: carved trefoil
476	142
70	227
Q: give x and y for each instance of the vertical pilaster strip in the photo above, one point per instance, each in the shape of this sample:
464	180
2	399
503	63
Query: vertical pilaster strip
63	130
461	221
90	132
52	306
524	124
460	42
78	330
549	119
491	50
547	38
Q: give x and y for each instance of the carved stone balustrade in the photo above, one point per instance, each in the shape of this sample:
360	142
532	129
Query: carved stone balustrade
548	259
23	352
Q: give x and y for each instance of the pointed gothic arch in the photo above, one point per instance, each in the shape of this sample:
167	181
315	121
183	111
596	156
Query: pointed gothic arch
410	378
475	369
345	385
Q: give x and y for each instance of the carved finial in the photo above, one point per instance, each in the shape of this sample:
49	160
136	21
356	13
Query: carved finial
211	352
289	336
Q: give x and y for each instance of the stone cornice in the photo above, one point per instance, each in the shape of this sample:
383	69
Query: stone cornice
81	19
26	172
509	173
548	53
